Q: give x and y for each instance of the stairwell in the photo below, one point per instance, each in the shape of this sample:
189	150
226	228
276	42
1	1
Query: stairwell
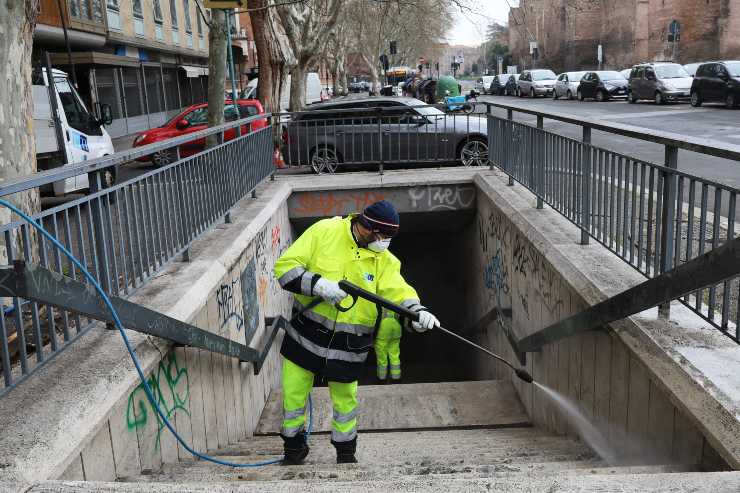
453	436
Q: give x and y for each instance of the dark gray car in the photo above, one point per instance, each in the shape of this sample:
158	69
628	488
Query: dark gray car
391	130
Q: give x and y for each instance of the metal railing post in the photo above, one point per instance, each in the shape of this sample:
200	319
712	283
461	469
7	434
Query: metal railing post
585	183
540	153
668	229
510	117
378	112
97	211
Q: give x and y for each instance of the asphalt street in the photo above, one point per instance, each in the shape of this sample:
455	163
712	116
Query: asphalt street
709	121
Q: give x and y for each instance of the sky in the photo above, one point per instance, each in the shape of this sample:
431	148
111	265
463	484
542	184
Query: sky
470	27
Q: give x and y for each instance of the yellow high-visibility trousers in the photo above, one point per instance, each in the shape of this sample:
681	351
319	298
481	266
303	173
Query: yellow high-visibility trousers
297	385
388	347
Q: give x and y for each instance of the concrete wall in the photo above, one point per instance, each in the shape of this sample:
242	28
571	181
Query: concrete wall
519	262
95	422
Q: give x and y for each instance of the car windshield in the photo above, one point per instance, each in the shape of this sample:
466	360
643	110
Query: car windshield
733	68
671	71
609	75
544	75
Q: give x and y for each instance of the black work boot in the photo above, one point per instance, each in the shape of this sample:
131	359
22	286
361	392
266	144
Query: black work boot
296	449
346	451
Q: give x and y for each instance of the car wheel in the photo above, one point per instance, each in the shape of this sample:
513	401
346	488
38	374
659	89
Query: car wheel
600	96
696	99
164	157
632	98
109	176
570	95
659	98
324	160
730	101
531	94
580	95
474	152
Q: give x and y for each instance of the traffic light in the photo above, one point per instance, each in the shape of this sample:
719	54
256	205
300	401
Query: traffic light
384	61
393	48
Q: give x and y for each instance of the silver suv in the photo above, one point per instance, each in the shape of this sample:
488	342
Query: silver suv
660	82
540	82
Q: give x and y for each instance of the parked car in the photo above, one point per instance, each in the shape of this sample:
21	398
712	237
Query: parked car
626	73
691	68
498	84
535	83
483	84
511	87
602	85
194	119
717	82
567	84
346	132
660	82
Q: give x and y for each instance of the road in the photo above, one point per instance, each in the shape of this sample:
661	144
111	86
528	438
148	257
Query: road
709	121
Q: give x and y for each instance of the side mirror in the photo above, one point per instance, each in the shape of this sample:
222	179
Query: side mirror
106	114
182	124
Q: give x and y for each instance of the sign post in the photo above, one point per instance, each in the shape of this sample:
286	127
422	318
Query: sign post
599	55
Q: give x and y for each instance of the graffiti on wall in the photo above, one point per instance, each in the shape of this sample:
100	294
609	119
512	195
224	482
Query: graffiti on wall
323	204
228	308
538	275
169	385
446	197
250	305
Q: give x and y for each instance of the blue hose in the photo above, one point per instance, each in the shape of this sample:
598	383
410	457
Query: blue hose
129	348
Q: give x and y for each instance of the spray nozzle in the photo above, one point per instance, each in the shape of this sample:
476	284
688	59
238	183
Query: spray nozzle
524	375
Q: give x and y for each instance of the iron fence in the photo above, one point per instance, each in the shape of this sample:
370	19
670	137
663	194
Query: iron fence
652	216
384	133
125	233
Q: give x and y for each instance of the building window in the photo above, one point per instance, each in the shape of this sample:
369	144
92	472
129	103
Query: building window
199	26
173	14
114	15
158	20
88	10
186	8
138	17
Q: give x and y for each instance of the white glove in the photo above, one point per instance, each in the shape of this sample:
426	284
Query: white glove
426	321
329	290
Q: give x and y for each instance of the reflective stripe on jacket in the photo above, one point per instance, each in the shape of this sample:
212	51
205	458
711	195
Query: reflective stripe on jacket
323	339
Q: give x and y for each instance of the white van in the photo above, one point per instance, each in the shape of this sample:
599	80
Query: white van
312	91
80	135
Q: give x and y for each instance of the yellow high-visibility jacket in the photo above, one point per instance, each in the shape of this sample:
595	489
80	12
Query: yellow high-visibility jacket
323	339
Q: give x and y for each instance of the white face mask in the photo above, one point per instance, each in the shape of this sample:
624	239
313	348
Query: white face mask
378	246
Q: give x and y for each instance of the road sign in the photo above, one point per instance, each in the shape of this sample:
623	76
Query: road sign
674	27
224	4
512	69
599	54
532	47
393	48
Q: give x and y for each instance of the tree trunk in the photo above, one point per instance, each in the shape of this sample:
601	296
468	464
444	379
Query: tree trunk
217	39
17	145
274	56
298	87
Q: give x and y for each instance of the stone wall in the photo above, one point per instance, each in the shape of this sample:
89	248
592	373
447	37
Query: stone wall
522	268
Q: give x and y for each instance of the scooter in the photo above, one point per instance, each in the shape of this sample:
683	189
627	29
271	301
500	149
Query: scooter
356	292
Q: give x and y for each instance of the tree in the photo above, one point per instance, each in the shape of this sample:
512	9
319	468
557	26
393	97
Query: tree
17	145
307	26
217	45
273	52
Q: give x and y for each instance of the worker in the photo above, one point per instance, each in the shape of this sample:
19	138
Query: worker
388	347
329	343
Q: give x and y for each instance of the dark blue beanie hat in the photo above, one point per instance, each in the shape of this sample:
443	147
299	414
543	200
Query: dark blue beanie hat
381	217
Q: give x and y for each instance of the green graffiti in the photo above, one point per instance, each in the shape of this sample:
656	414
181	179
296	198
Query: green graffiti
163	382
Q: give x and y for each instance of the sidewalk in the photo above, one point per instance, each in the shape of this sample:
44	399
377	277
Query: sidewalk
123	142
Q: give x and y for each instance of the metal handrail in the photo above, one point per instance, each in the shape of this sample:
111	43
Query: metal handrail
704	146
26	182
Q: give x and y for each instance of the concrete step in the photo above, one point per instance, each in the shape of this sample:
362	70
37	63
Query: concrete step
414	406
469	452
715	482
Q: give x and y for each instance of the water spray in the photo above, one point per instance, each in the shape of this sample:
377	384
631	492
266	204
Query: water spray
357	292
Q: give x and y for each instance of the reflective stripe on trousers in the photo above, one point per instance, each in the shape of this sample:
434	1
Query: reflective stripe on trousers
297	384
388	350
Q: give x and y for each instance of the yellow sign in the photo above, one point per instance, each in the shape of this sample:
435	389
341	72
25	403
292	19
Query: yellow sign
224	4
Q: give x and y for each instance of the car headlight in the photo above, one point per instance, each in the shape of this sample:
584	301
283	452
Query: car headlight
668	86
139	139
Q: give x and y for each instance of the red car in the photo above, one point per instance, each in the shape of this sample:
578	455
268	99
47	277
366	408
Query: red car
194	119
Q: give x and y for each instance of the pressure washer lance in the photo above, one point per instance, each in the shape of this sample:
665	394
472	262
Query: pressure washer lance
357	292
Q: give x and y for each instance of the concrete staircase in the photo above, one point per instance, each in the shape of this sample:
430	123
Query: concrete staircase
481	443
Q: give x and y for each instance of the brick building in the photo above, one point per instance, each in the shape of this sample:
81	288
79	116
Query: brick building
568	32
